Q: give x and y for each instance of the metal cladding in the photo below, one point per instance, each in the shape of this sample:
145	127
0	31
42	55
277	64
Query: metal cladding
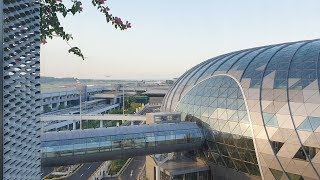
72	147
20	89
278	88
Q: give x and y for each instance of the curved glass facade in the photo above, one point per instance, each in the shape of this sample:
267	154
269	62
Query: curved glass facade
218	105
280	84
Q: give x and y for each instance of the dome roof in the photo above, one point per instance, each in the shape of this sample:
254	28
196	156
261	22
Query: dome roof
293	65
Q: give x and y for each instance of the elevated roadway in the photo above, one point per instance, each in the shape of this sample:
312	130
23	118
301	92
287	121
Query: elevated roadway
104	117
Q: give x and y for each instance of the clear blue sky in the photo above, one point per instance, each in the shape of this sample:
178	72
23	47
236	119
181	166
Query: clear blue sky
169	37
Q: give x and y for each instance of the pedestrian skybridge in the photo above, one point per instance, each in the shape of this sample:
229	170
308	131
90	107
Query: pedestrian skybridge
80	146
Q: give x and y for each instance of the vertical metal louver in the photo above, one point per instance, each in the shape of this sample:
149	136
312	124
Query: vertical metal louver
20	89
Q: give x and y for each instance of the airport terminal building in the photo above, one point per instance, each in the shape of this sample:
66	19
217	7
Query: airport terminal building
256	112
260	111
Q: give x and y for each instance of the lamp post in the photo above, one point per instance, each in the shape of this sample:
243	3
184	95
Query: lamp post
123	100
80	105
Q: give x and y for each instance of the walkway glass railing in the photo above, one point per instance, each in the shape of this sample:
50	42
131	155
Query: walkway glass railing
142	138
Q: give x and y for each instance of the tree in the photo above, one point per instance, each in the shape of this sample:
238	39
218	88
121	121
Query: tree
51	26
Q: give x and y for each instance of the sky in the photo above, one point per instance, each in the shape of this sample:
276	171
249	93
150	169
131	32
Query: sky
169	37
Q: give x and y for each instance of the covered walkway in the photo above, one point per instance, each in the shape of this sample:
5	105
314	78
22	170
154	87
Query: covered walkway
100	117
79	146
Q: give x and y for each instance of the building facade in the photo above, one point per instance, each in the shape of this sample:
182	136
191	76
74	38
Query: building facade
20	89
260	109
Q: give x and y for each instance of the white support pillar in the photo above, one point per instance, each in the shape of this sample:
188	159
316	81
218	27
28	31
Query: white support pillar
74	125
101	123
157	173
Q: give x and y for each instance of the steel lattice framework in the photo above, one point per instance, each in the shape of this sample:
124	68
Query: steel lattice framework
280	85
20	89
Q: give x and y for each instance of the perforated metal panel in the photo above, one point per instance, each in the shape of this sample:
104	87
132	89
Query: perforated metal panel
20	89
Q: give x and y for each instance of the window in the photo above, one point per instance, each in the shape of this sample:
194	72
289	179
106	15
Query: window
276	146
310	152
276	173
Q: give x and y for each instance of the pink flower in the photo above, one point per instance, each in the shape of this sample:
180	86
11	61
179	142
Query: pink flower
106	9
118	20
101	1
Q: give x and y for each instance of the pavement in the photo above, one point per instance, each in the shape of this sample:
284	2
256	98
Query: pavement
85	171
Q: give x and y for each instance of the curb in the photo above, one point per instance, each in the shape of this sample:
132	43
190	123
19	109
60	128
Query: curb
63	177
141	171
123	168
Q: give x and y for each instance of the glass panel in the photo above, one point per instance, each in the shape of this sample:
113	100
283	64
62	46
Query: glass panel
93	145
116	142
220	109
315	122
79	146
128	141
105	144
139	141
276	146
161	138
150	140
305	125
276	173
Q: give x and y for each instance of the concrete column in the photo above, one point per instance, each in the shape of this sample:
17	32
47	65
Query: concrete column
74	125
118	124
114	101
158	173
65	103
131	123
101	124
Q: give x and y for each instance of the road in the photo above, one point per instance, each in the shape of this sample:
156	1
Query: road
133	169
85	171
45	171
135	166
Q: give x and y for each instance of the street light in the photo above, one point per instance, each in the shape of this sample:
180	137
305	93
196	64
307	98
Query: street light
123	100
78	84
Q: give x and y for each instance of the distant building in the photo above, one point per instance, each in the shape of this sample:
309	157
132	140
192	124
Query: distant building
155	96
169	81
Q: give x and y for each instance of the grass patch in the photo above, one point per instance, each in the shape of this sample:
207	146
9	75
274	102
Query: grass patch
116	165
52	176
